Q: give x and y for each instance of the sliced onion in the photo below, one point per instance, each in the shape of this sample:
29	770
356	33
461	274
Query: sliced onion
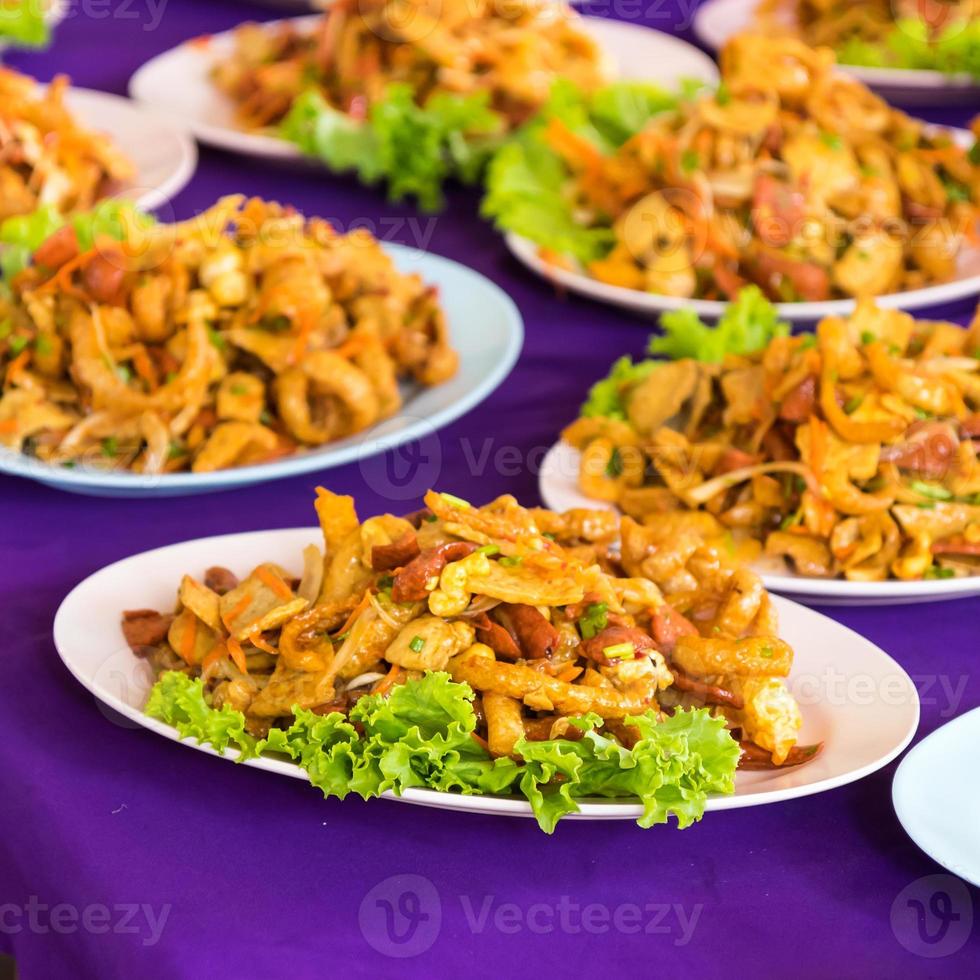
362	680
705	491
480	605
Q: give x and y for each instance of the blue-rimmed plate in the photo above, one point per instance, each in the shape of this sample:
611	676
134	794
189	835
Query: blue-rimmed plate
485	328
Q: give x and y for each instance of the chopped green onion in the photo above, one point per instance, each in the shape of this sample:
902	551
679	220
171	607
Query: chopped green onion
510	561
723	96
239	389
216	339
619	651
934	571
614	467
264	417
766	652
385	583
17	344
921	413
124	374
930	490
867	337
853	404
43	344
109	446
488	549
455	501
689	161
416	644
594	620
176	450
790	520
808	341
5	327
831	140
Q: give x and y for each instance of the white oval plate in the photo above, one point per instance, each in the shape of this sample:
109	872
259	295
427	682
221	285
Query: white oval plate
936	795
486	329
164	154
862	731
718	20
965	285
558	486
178	81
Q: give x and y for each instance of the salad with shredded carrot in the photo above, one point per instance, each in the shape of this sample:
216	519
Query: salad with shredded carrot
242	335
851	452
485	650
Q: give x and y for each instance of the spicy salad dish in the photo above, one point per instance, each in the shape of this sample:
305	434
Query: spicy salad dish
850	453
243	335
47	159
790	176
936	35
485	650
408	95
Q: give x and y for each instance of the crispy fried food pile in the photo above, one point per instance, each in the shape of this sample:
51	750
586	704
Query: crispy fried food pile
46	157
511	51
240	336
791	175
852	453
544	615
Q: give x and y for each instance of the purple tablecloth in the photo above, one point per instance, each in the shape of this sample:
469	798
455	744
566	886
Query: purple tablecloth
123	855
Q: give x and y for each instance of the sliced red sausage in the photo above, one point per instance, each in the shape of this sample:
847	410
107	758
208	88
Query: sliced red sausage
145	627
397	554
410	584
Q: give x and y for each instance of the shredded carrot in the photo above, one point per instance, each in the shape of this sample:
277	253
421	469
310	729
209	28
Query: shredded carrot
818	447
8	425
18	364
256	640
62	278
237	654
352	346
188	642
358	609
237	609
568	673
144	367
307	321
387	682
217	652
274	582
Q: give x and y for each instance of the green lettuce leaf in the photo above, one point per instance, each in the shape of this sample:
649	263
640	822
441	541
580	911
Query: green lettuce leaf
422	736
525	183
23	23
607	397
747	325
22	235
412	148
910	44
672	768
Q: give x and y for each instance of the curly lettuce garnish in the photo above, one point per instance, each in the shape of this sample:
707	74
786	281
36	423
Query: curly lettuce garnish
22	235
422	736
911	44
23	23
524	183
413	149
748	324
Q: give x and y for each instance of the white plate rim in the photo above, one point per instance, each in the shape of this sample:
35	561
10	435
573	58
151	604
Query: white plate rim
86	104
437	270
905	794
653	304
68	644
707	16
559	493
143	85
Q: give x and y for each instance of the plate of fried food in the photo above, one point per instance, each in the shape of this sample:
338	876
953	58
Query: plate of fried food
407	94
491	659
789	175
69	148
245	344
924	52
841	464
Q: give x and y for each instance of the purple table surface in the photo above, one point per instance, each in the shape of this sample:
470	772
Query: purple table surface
123	855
